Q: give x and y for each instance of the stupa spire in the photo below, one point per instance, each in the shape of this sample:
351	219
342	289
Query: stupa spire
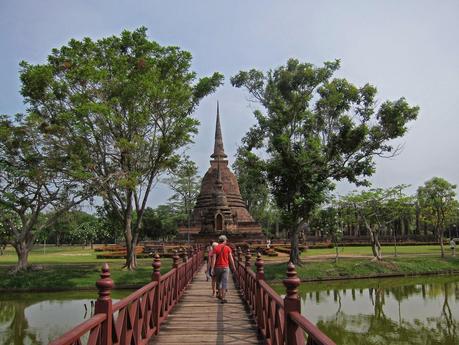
219	152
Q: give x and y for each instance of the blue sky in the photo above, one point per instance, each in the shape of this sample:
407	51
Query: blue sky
404	48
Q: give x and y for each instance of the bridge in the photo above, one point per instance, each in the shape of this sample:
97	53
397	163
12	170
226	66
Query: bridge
176	308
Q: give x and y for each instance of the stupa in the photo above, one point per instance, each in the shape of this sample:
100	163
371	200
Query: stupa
219	207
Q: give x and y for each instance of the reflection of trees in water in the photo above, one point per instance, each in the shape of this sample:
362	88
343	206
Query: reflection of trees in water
379	329
16	332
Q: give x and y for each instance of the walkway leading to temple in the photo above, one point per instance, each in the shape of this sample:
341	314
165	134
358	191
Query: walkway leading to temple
177	308
200	318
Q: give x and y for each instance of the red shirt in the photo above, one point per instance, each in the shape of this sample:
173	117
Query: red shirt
222	253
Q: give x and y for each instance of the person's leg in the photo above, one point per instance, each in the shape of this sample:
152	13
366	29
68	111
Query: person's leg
218	277
224	284
214	282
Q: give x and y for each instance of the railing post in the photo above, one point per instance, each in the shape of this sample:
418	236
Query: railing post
292	303
248	256
238	263
259	295
156	276
176	260
104	304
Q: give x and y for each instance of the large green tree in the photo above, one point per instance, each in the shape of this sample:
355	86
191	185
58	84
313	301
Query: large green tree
315	130
32	181
437	201
123	106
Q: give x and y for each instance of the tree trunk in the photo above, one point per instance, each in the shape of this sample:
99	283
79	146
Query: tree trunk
337	250
395	243
294	250
375	245
442	247
2	249
22	251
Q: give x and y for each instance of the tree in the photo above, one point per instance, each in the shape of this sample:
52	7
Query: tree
5	236
89	229
185	183
317	130
437	202
328	220
378	209
249	170
161	222
32	180
123	106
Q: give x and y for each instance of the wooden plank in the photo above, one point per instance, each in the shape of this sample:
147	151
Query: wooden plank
200	318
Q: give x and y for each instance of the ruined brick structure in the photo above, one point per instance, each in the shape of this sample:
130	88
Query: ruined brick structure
219	208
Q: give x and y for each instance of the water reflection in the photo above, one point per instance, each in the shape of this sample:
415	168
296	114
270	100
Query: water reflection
38	318
386	311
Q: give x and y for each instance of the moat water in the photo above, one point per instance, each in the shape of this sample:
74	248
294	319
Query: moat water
421	310
37	318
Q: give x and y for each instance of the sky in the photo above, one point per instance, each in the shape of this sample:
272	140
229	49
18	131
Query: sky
405	48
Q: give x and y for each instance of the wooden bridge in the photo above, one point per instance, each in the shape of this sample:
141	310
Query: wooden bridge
177	308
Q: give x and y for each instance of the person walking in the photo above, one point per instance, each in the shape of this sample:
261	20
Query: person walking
221	261
210	264
452	245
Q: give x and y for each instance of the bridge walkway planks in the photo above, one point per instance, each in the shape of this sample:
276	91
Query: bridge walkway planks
199	318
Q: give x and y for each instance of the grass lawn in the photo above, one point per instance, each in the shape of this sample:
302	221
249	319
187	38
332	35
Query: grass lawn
358	267
71	267
387	250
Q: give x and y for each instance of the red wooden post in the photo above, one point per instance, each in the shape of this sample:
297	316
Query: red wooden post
259	294
104	304
238	267
156	276
293	334
176	260
248	256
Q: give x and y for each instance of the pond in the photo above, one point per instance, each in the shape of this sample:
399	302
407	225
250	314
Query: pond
421	310
39	317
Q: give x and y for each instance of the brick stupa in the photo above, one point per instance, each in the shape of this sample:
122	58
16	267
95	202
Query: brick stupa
219	207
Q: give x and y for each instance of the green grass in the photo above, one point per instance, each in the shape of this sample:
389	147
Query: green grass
71	267
352	268
387	250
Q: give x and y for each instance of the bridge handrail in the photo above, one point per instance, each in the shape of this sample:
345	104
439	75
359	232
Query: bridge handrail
137	317
279	320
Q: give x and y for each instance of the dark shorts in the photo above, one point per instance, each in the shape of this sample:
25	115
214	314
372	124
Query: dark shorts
221	275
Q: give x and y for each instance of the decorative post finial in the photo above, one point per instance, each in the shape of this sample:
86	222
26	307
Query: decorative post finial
105	283
292	282
239	254
156	267
248	255
260	267
175	259
293	333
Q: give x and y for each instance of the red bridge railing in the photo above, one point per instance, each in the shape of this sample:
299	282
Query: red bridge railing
138	317
279	320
